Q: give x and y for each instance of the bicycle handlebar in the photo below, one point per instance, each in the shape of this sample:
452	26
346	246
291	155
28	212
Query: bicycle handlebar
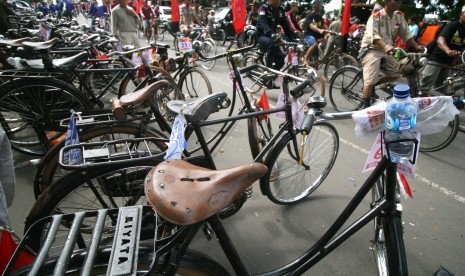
297	91
225	54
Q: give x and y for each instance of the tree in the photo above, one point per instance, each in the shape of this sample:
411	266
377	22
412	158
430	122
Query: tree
452	8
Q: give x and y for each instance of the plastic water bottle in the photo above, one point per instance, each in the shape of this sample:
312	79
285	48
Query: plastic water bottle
400	120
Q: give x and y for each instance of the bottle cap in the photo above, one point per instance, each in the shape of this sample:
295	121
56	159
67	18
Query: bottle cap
401	91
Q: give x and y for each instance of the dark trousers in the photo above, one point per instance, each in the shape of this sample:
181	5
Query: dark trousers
274	55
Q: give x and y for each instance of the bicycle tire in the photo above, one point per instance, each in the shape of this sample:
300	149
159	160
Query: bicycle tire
259	133
107	187
338	61
298	183
194	84
161	34
438	141
221	37
252	83
48	170
345	89
98	80
28	108
208	50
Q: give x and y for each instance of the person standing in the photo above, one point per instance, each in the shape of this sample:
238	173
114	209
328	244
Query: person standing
199	15
451	39
271	15
382	29
187	17
252	17
124	22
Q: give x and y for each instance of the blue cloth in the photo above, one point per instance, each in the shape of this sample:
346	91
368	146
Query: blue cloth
309	40
177	142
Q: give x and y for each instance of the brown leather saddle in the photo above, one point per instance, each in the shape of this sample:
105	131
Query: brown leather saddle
185	194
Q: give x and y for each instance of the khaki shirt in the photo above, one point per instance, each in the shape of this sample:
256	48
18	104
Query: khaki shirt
381	26
186	15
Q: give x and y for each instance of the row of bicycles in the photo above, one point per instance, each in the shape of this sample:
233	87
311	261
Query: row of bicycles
124	104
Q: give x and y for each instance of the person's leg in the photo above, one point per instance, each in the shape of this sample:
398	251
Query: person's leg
267	43
278	57
428	76
371	66
146	29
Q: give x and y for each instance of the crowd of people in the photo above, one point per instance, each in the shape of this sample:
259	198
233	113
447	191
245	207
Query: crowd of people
386	29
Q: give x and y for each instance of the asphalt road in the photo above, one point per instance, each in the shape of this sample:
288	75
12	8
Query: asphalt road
269	236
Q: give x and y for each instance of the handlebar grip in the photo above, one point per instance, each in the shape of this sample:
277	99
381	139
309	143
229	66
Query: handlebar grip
296	91
118	110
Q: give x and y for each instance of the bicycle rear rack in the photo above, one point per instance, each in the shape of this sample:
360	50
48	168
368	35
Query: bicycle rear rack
105	118
77	242
104	153
14	74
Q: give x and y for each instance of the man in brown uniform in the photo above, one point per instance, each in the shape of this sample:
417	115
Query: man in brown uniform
382	28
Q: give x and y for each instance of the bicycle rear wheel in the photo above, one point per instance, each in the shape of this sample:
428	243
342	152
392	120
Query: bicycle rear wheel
252	82
288	182
29	110
338	61
440	140
48	171
346	89
92	189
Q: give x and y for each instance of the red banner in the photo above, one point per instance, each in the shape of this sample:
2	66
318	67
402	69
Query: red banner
239	15
346	18
174	11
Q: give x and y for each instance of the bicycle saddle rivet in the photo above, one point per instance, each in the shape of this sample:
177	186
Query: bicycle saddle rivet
161	171
188	210
162	185
148	178
149	190
173	203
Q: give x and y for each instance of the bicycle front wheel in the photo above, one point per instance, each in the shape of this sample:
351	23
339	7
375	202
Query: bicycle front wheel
388	242
28	110
338	61
438	141
260	133
287	181
346	89
194	84
252	82
208	50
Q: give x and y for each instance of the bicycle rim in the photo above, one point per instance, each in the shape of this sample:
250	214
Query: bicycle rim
194	84
288	182
252	82
208	50
378	244
338	61
28	111
346	89
260	133
440	140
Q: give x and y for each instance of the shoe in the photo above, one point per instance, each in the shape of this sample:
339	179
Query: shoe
271	85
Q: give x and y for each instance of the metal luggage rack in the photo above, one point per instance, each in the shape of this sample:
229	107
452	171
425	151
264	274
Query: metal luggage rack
14	74
103	119
87	242
104	153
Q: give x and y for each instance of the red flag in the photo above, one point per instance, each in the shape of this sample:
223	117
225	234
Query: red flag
404	186
264	104
239	15
346	18
7	249
174	11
